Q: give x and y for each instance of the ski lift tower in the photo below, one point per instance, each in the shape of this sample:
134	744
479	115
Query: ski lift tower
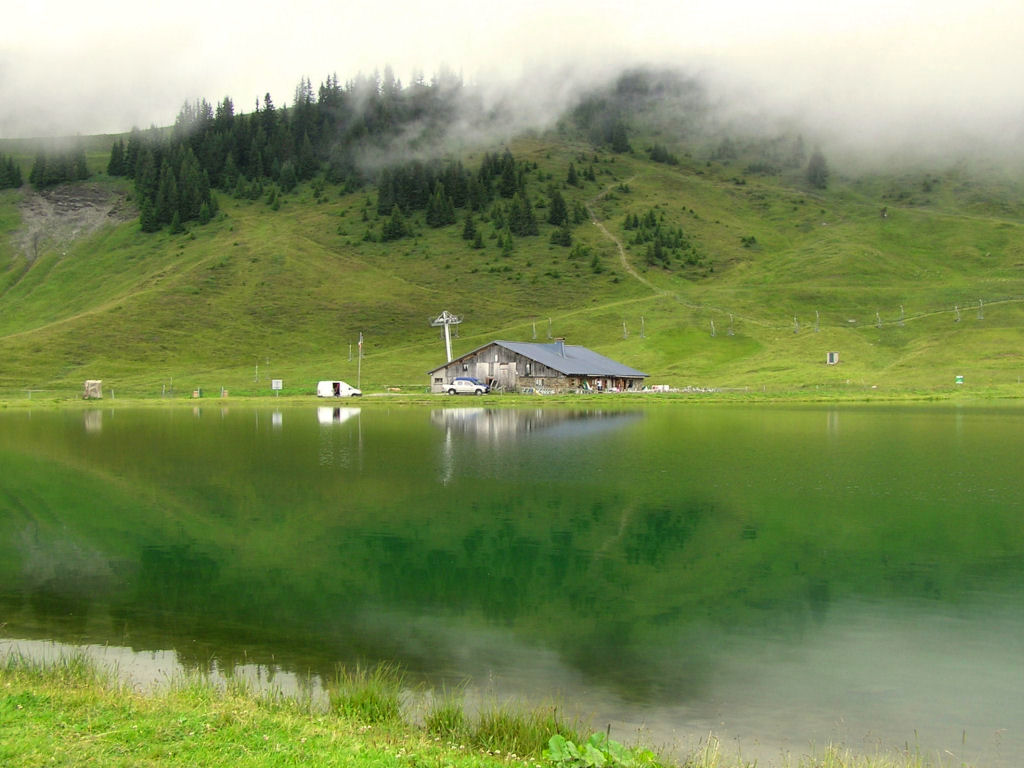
447	319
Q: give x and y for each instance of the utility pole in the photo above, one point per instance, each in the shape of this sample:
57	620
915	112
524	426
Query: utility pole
447	319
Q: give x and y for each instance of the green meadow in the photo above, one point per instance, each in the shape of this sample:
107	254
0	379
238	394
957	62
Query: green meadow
782	275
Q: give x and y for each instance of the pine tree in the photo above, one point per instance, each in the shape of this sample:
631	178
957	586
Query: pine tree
469	228
268	117
476	194
146	176
166	202
817	170
509	181
256	160
386	198
558	213
562	236
572	178
224	115
37	175
189	186
506	242
147	216
10	173
306	164
394	228
440	209
131	153
287	177
204	190
80	168
521	219
619	139
448	210
498	215
116	165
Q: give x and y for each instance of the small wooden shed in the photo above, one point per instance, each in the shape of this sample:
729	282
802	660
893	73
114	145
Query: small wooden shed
93	390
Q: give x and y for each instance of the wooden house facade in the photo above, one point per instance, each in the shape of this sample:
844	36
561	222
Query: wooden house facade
513	366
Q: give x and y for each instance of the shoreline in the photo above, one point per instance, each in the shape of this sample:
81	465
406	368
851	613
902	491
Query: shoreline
990	397
73	708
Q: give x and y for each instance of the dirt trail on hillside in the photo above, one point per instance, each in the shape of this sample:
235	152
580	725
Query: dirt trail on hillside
629	268
56	217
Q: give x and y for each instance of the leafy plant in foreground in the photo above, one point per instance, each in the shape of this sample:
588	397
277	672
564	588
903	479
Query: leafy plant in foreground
599	751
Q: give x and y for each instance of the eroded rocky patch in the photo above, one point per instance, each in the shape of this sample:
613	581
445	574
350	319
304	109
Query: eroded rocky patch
54	218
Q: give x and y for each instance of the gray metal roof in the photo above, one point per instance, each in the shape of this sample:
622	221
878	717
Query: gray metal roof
567	359
571	360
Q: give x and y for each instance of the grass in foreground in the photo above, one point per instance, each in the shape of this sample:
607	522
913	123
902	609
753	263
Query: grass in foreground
72	712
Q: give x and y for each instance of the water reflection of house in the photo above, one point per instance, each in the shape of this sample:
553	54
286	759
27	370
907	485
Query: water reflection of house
472	433
498	424
490	423
515	366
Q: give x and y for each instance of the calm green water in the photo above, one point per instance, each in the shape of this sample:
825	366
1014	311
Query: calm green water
782	577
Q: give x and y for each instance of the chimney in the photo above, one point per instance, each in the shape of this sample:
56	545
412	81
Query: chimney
560	344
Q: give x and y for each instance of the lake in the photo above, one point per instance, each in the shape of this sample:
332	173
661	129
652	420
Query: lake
782	577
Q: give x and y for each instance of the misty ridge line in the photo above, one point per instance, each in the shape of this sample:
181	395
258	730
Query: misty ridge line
690	109
694	109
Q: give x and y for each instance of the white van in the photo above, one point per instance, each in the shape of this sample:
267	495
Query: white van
336	389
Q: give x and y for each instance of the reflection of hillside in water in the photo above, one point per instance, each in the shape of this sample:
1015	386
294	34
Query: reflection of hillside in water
491	424
660	569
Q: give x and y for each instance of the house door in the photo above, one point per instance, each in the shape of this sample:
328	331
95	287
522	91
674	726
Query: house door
507	376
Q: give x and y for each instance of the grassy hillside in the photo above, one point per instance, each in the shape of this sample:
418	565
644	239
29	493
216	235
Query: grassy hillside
783	275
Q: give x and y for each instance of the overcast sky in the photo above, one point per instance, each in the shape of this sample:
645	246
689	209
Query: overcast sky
863	67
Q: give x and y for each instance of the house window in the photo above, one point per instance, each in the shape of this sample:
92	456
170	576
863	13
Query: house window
529	367
465	367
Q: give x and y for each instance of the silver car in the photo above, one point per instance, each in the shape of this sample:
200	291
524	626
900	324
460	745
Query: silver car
467	385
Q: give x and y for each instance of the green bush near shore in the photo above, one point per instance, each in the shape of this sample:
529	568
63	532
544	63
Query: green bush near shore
73	712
